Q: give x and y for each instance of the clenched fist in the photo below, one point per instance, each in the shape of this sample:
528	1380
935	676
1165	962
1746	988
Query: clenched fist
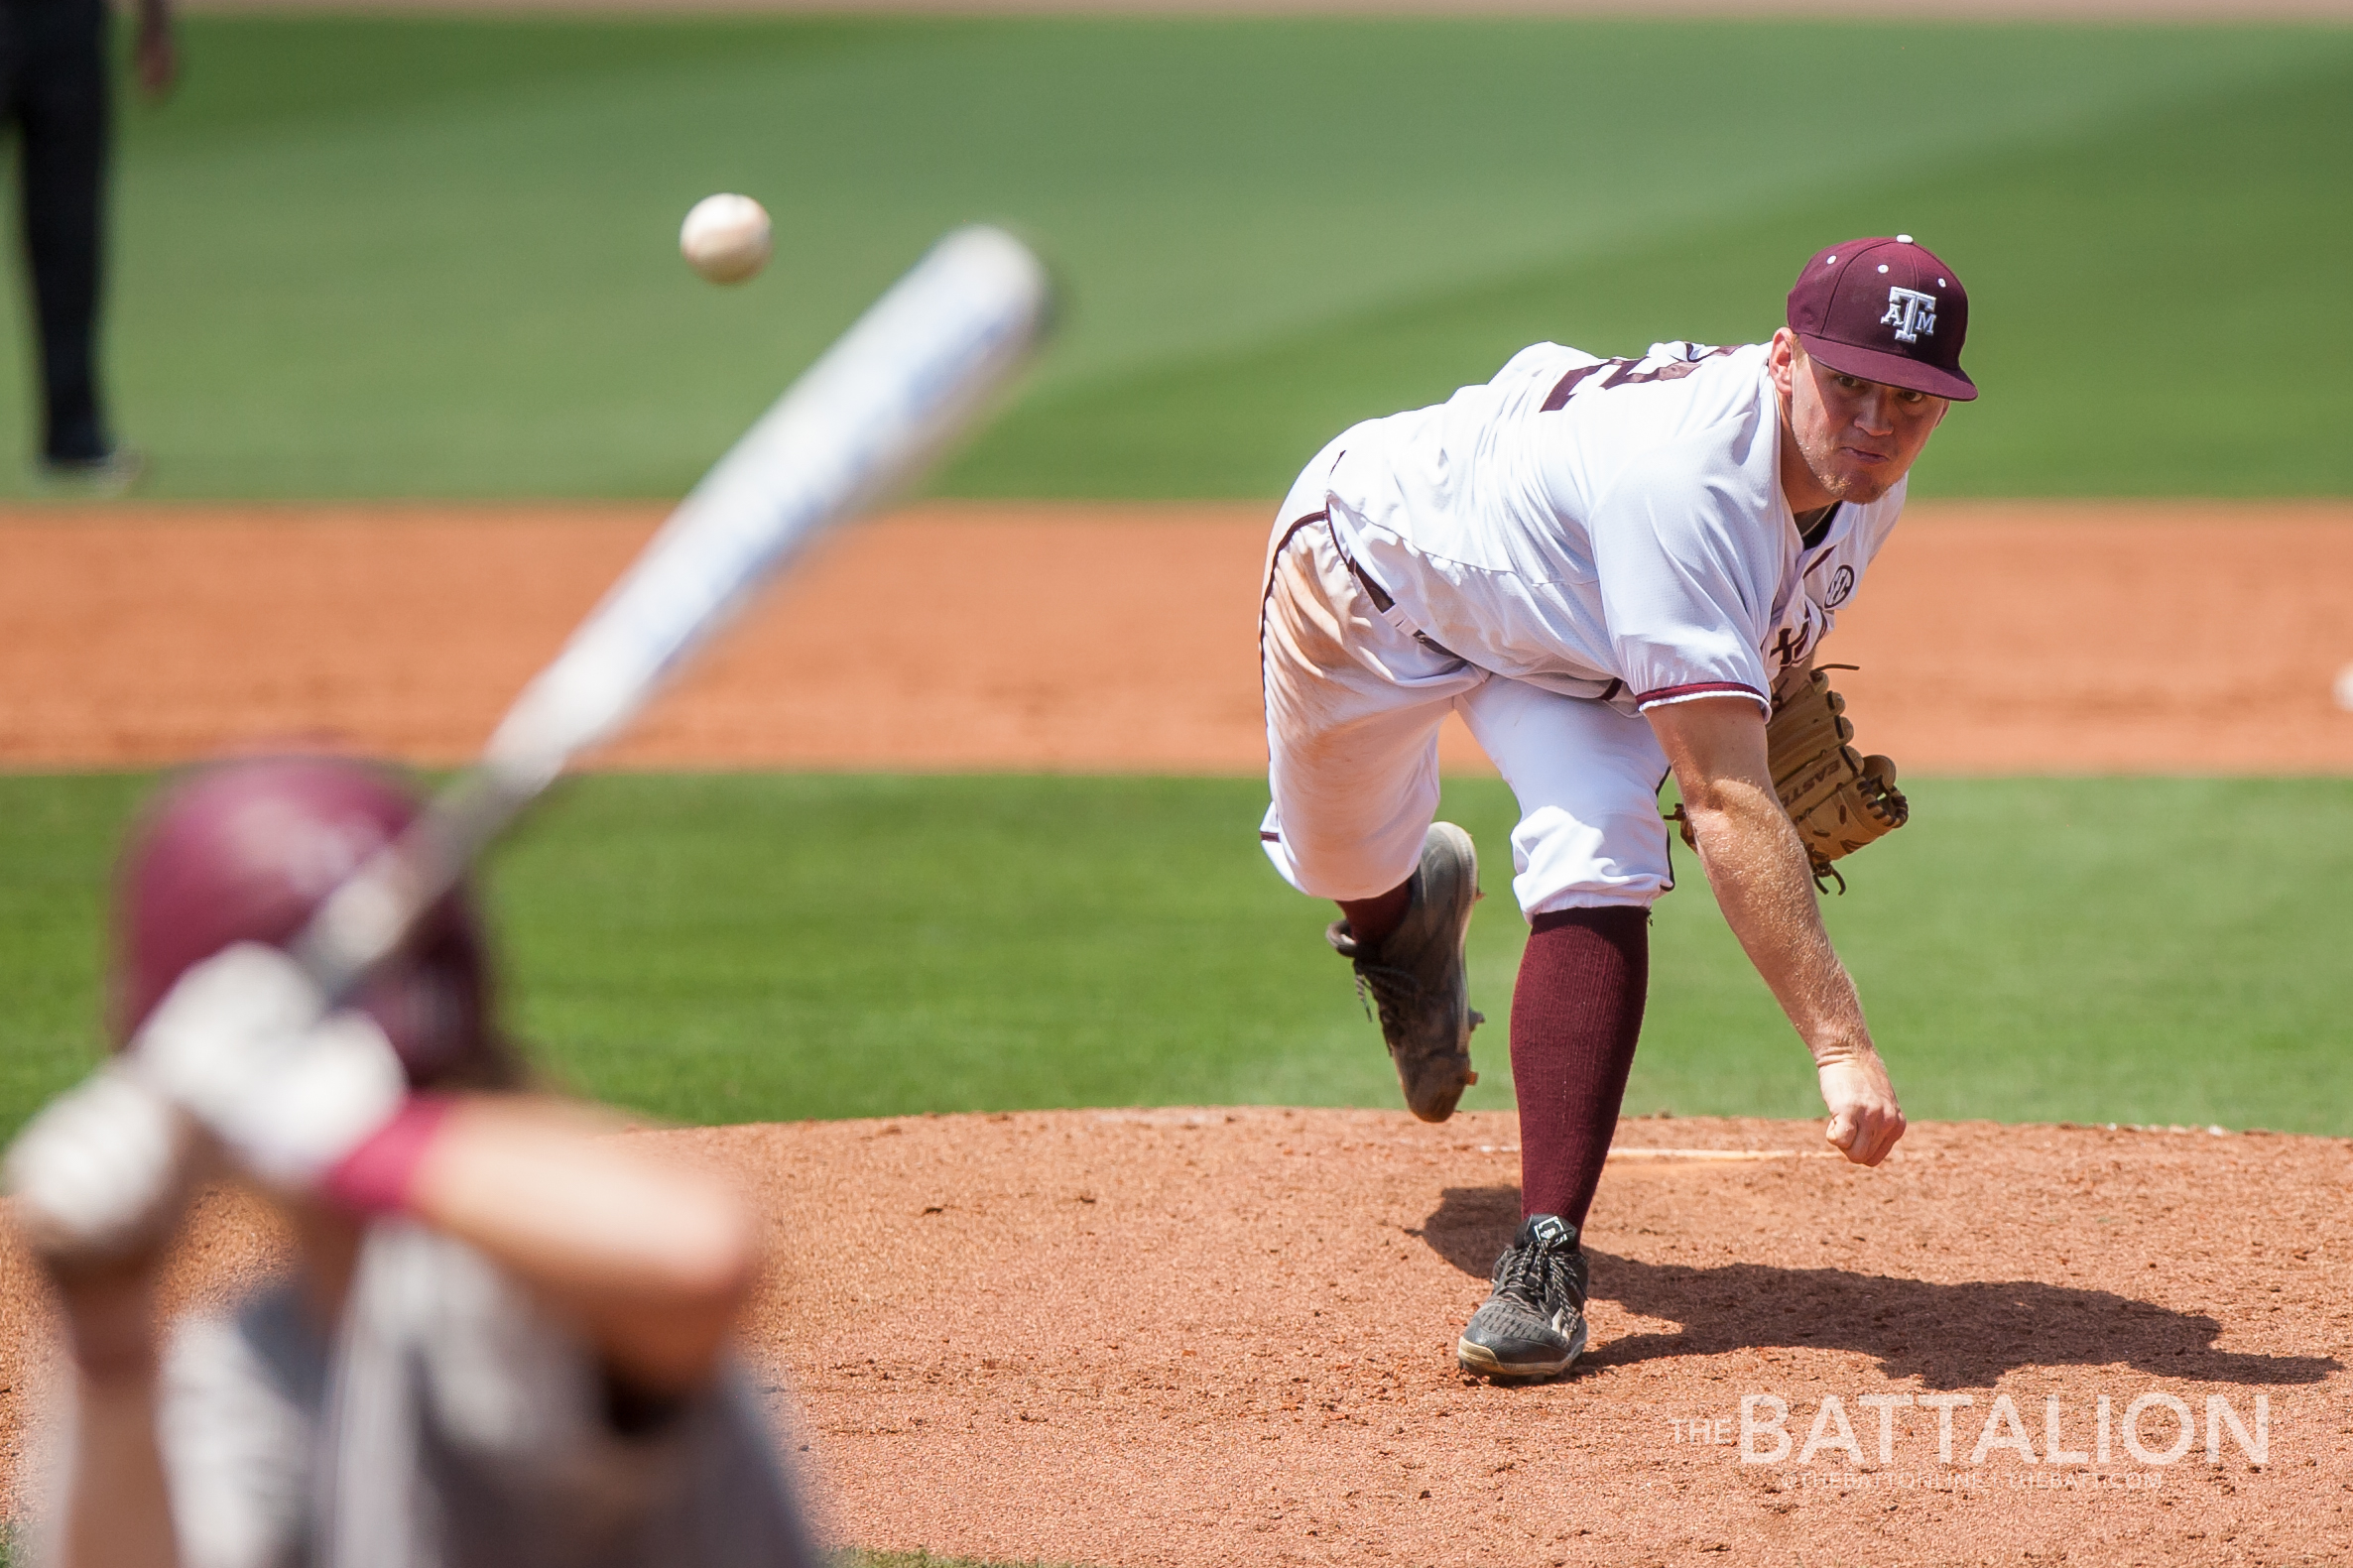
1865	1120
244	1044
101	1173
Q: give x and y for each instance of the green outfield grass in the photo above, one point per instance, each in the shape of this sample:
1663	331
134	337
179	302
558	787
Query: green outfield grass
741	947
373	256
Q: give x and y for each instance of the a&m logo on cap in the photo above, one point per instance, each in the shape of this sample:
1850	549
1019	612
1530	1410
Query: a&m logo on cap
1911	313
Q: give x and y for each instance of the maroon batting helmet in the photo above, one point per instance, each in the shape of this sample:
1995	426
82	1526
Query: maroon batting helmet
244	851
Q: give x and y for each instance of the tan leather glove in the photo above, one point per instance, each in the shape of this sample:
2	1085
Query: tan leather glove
1838	799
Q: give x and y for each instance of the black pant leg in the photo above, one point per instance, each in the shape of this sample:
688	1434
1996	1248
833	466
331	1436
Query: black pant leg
64	121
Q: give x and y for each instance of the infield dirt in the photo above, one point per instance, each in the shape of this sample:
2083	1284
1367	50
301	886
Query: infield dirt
1223	1337
1993	638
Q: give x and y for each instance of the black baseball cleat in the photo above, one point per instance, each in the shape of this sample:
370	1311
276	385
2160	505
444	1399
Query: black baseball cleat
1534	1324
1414	976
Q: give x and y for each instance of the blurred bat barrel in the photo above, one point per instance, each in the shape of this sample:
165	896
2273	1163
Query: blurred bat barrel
866	419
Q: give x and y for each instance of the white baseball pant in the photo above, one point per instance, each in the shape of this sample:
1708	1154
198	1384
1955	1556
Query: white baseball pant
1353	708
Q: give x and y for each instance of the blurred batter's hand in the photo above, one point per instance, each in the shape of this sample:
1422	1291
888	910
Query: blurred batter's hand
99	1175
1865	1120
240	1044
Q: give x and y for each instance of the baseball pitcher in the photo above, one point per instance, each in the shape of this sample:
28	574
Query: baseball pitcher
1613	569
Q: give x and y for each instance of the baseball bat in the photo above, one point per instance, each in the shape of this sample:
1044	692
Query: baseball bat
865	420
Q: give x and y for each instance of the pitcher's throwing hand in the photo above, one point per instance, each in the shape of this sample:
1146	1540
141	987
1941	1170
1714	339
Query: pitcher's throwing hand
1865	1120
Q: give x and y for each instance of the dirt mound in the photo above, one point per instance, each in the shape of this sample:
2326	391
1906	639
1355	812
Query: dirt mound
1101	638
1219	1337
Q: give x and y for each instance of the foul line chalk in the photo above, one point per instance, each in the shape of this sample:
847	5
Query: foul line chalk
1724	1154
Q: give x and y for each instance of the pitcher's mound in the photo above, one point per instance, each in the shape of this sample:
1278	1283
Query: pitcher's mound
1219	1337
1223	1337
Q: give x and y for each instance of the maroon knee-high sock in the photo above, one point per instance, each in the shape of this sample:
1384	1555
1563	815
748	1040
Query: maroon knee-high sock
1576	1013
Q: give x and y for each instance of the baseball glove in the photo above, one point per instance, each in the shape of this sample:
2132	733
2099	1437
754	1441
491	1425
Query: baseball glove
1838	799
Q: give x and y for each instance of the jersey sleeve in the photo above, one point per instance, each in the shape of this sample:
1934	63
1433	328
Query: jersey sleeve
1686	577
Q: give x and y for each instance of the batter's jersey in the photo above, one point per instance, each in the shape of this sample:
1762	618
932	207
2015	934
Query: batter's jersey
1606	528
449	1423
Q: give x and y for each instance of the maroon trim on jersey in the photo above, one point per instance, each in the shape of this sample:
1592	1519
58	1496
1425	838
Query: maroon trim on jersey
1623	374
1267	597
1569	383
1701	688
1265	837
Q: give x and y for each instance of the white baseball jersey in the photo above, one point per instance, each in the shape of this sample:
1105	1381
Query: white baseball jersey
449	1423
1605	528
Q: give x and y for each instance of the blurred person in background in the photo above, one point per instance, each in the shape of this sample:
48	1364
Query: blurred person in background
54	94
502	1339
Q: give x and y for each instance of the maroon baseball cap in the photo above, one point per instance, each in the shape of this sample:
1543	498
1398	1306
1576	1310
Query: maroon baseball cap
244	851
1887	310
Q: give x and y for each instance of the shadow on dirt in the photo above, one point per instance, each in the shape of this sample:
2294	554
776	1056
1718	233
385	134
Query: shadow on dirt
1950	1336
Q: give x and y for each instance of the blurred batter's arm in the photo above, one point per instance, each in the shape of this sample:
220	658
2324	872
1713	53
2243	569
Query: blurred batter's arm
116	1512
97	1183
1764	886
650	1260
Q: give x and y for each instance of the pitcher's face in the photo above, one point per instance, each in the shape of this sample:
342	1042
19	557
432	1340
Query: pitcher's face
1857	437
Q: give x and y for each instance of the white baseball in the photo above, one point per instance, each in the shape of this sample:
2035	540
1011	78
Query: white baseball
726	238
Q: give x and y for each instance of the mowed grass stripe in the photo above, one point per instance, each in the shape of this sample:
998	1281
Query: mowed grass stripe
373	256
740	947
2097	303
